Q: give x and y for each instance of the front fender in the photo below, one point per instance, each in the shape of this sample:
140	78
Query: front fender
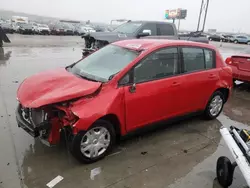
108	101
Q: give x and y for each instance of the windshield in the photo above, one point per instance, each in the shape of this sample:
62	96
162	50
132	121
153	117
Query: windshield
129	27
104	63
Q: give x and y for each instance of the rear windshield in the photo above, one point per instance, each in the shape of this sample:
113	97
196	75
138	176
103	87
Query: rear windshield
105	63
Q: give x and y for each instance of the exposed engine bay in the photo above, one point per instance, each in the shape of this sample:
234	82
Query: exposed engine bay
46	122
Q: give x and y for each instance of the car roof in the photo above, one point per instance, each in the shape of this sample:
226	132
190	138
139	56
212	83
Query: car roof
145	44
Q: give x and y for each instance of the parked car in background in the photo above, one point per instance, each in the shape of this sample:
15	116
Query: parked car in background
26	28
240	65
241	39
137	29
56	29
217	37
101	29
87	29
43	29
34	27
120	88
229	38
68	29
7	28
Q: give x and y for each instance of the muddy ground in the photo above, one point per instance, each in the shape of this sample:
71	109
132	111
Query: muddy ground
180	155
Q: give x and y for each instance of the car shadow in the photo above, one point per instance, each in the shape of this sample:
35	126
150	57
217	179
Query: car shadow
41	161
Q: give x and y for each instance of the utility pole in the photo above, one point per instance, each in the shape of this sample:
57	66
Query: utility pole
203	11
205	17
199	19
179	25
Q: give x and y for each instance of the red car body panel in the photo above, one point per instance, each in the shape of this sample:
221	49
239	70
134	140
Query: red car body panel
52	87
185	92
240	65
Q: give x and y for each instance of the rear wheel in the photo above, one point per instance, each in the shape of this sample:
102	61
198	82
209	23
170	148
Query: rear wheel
248	42
94	144
214	106
235	42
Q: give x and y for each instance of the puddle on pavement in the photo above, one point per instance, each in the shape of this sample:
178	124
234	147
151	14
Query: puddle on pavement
179	155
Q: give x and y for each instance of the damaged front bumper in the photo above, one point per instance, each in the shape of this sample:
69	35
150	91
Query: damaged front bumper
46	123
26	125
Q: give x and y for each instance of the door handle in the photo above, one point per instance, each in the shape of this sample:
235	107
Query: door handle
176	83
211	76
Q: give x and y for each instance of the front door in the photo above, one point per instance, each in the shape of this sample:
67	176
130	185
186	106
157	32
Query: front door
156	90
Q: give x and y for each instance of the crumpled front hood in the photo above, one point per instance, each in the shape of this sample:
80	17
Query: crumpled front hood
52	87
108	36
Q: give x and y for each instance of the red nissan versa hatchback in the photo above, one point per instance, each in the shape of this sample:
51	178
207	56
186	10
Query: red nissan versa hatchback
122	87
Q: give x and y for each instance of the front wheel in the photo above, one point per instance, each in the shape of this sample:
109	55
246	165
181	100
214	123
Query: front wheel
94	144
214	106
235	42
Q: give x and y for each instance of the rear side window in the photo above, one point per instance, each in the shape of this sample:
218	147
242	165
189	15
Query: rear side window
165	29
196	59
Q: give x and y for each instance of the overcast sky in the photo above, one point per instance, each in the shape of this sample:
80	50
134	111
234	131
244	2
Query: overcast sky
224	15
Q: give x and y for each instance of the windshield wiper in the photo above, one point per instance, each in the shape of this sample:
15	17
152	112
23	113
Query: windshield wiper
87	78
112	76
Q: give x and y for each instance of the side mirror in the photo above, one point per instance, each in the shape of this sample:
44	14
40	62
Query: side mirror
144	33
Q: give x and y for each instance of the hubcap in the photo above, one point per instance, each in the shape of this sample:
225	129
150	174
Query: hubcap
216	105
95	142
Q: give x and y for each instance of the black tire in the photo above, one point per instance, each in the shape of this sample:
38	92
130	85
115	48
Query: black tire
234	82
76	142
235	42
207	112
224	172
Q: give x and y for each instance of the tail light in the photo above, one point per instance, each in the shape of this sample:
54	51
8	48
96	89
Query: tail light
229	61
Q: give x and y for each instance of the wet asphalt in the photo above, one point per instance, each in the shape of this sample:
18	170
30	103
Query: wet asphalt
183	154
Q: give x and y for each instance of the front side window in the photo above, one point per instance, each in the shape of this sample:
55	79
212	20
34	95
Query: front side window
103	64
151	27
160	64
196	59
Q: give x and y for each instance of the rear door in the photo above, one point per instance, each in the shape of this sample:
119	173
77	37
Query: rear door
201	76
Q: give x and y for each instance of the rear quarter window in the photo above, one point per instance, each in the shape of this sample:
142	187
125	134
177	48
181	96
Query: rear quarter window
196	59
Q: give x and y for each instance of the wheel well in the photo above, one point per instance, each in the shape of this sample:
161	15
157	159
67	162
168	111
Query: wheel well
113	119
225	93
